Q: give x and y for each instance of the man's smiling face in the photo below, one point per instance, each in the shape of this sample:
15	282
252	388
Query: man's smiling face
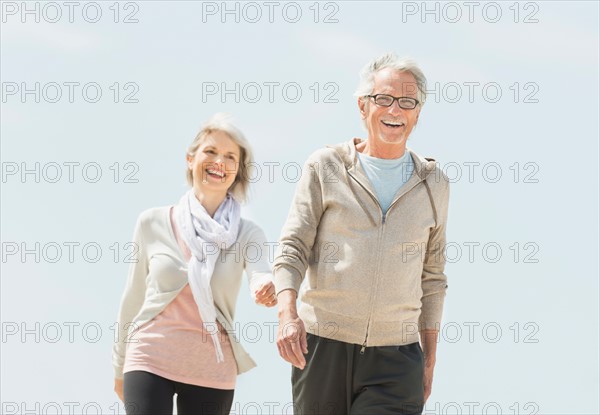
390	125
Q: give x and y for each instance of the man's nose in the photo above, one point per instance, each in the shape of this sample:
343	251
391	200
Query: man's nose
395	109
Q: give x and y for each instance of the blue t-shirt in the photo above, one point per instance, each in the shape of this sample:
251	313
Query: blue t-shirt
387	175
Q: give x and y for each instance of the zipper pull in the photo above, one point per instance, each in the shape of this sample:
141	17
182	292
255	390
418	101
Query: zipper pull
362	349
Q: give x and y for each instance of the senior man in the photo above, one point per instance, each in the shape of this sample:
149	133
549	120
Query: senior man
367	226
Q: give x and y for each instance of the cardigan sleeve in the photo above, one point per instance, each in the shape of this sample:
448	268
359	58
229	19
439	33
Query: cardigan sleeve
257	266
132	298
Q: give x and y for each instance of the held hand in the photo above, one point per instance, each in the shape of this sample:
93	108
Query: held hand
119	389
265	294
291	339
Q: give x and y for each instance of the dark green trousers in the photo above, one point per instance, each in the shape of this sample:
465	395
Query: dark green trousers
339	380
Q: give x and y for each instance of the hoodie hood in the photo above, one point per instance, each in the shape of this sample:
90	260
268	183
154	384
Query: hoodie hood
347	153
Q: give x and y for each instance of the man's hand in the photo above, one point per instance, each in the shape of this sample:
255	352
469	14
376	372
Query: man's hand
428	344
428	379
291	335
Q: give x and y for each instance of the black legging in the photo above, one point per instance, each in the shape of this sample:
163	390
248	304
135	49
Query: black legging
149	394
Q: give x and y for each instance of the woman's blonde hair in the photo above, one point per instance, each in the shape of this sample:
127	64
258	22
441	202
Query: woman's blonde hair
223	122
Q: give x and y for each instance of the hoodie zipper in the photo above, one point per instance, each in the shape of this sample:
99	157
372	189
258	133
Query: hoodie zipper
398	198
364	345
380	237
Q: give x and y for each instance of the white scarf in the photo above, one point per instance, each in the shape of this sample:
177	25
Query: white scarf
200	231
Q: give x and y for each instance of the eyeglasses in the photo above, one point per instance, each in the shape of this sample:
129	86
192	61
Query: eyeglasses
384	100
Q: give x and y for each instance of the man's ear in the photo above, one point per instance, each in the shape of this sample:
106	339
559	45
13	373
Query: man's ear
362	107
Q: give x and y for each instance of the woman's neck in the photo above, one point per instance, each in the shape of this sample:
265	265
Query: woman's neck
210	201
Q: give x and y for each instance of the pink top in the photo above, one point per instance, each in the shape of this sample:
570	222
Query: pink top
176	346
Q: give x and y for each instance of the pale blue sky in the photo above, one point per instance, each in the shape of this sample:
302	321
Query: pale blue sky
543	210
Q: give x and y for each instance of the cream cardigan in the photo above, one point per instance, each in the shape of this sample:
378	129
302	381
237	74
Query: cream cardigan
160	273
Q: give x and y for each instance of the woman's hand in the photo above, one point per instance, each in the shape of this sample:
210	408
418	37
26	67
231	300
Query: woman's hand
265	294
119	389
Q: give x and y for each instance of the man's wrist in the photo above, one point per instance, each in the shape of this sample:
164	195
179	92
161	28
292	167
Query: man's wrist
428	344
286	301
429	360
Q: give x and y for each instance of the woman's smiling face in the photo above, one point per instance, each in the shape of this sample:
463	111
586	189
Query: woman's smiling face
216	163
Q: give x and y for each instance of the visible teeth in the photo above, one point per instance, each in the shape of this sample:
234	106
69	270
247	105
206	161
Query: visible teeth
218	173
393	123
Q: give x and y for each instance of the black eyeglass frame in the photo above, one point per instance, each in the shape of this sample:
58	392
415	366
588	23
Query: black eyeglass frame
416	101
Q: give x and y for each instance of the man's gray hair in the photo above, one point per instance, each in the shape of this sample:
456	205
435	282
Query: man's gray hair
390	60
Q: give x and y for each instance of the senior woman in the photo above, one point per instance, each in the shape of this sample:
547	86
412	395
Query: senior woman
176	314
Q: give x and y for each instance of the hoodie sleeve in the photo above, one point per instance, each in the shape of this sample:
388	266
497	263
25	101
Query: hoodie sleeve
300	229
433	280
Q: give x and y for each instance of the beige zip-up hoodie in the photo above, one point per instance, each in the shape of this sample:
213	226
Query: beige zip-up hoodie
372	279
